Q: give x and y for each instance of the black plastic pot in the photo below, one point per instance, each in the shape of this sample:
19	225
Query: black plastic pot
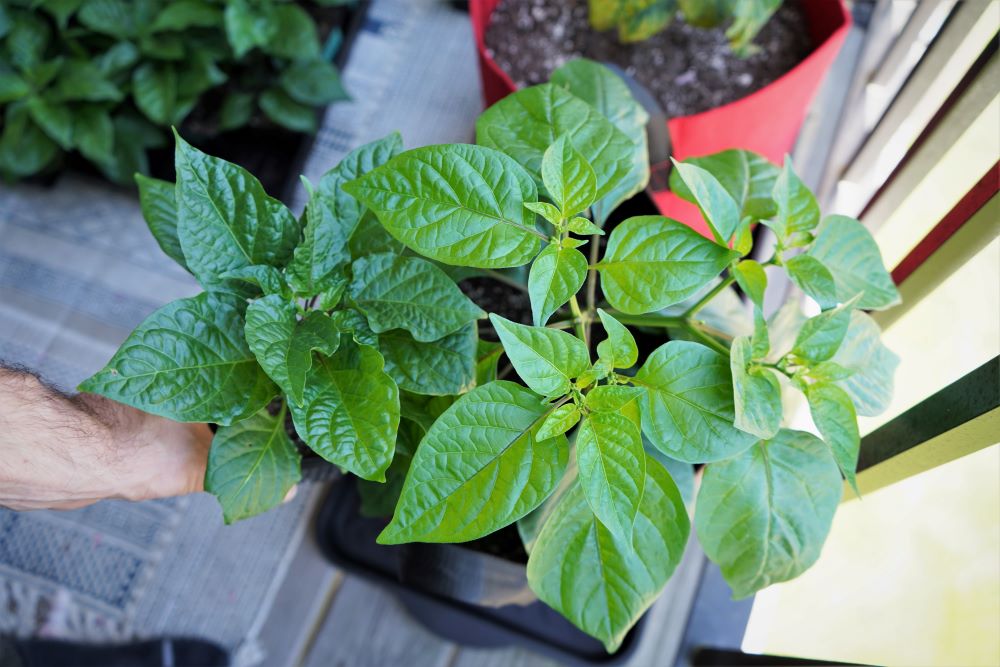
465	596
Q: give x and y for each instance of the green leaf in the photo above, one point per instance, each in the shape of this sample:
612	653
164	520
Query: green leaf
252	466
55	120
267	278
619	348
12	87
524	124
119	57
872	364
612	468
458	204
652	262
410	293
350	320
546	359
294	33
604	90
618	398
236	110
597	581
439	368
188	361
24	148
748	19
747	177
113	17
313	82
820	336
81	80
719	209
569	180
763	515
248	27
225	220
797	208
560	421
688	412
752	279
27	40
834	416
283	110
848	250
94	134
378	499
682	474
350	411
154	89
346	208
480	467
488	356
61	10
584	227
159	208
283	345
183	14
556	275
813	278
544	209
756	393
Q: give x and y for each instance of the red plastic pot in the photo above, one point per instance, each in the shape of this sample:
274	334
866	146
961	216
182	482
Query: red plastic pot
766	121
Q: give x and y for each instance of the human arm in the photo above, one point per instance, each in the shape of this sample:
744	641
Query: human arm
62	452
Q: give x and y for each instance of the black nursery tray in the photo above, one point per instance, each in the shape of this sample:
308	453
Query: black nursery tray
273	154
348	540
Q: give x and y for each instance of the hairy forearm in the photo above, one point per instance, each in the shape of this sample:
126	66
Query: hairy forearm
67	451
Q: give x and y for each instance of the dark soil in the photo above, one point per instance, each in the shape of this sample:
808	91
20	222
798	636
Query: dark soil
687	69
494	296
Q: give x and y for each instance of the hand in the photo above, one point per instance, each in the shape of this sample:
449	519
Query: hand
60	452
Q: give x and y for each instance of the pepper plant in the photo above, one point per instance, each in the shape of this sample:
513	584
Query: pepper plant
637	20
599	512
107	78
326	318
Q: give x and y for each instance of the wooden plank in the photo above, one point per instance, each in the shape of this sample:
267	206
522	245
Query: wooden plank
367	627
506	657
963	39
955	155
925	22
885	23
303	599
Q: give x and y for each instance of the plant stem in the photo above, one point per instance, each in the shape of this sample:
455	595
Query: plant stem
708	297
505	279
595	249
695	331
564	324
581	329
649	320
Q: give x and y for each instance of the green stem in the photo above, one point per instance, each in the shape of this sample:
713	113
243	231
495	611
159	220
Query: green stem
505	279
581	329
649	320
706	339
595	249
564	324
708	297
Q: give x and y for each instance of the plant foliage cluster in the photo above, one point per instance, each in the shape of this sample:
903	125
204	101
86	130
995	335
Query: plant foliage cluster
637	20
106	78
354	322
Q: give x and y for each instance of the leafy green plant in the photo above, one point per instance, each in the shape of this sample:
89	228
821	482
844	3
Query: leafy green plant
107	78
325	318
637	20
598	511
